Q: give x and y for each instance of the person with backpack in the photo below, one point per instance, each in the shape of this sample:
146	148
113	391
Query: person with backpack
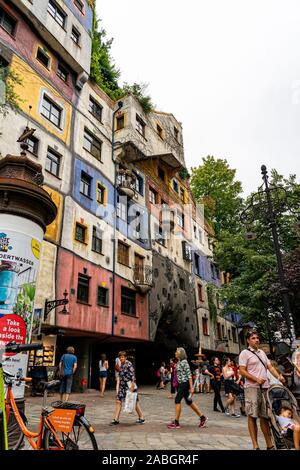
67	367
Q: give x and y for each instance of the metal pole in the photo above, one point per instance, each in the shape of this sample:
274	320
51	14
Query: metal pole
120	105
283	290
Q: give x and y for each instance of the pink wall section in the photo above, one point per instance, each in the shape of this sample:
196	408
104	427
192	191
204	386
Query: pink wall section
93	318
25	42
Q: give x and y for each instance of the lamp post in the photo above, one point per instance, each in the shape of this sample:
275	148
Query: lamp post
269	203
113	317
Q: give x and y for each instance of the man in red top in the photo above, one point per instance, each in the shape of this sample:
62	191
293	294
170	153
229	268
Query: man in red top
254	364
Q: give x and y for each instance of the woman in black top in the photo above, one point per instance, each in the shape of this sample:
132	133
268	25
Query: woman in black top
214	371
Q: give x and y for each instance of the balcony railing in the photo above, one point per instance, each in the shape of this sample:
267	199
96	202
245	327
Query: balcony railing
143	278
126	182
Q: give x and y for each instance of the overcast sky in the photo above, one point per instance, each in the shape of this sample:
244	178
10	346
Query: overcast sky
229	71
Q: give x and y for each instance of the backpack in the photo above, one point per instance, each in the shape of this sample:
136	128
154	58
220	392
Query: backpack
158	374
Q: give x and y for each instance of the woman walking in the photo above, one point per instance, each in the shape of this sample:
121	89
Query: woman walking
126	378
231	388
214	371
185	390
103	367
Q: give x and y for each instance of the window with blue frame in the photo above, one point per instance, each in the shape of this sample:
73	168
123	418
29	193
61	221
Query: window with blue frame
85	184
122	208
175	186
197	264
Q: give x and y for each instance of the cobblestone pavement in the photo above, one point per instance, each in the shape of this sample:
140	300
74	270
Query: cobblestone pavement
221	432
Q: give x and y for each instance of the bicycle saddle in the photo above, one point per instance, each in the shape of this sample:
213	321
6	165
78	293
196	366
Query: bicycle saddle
51	384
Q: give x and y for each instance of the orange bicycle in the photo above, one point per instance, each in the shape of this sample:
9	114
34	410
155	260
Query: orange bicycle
61	427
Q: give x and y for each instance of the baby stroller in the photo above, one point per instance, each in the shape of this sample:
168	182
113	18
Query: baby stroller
277	396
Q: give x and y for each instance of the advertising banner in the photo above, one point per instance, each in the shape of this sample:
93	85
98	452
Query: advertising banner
19	262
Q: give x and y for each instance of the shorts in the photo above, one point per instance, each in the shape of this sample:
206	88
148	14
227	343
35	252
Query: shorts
204	379
183	391
66	384
255	402
103	374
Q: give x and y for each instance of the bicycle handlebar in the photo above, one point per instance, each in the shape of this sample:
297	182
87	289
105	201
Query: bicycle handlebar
13	347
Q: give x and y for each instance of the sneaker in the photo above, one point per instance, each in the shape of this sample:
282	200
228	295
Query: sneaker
235	415
203	421
140	421
173	425
113	422
227	412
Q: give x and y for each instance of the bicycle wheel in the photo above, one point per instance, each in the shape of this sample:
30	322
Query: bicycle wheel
80	438
14	433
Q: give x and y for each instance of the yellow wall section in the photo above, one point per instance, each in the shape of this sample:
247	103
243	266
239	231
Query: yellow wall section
30	93
53	230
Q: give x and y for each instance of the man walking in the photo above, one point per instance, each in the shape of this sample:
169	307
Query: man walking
254	364
67	367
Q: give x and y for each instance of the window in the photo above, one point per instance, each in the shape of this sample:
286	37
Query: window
80	232
33	145
223	331
205	326
53	162
43	58
234	336
97	240
186	251
62	72
229	334
95	109
138	183
51	111
102	296
200	236
176	134
160	235
128	301
85	184
195	232
136	231
7	22
181	283
122	208
120	121
140	125
175	186
101	193
180	219
92	144
152	196
83	288
75	35
197	264
200	293
219	334
57	13
79	5
161	174
182	194
123	253
160	131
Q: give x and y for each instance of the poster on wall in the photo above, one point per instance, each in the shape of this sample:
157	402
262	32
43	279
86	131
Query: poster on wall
19	262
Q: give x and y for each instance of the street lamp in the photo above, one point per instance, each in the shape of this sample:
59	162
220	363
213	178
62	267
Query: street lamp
269	203
113	317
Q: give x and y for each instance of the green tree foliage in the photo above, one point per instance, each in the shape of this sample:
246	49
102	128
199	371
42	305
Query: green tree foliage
105	73
8	98
139	90
103	70
213	184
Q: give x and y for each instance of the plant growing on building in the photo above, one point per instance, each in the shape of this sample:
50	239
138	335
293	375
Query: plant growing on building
139	90
213	311
9	99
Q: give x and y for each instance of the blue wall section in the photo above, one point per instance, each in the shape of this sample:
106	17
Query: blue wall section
87	19
205	270
106	212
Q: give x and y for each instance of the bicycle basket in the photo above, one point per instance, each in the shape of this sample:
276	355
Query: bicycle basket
79	407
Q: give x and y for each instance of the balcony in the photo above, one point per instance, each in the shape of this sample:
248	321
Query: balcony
143	278
126	182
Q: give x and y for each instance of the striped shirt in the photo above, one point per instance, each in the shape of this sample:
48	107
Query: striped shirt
183	371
